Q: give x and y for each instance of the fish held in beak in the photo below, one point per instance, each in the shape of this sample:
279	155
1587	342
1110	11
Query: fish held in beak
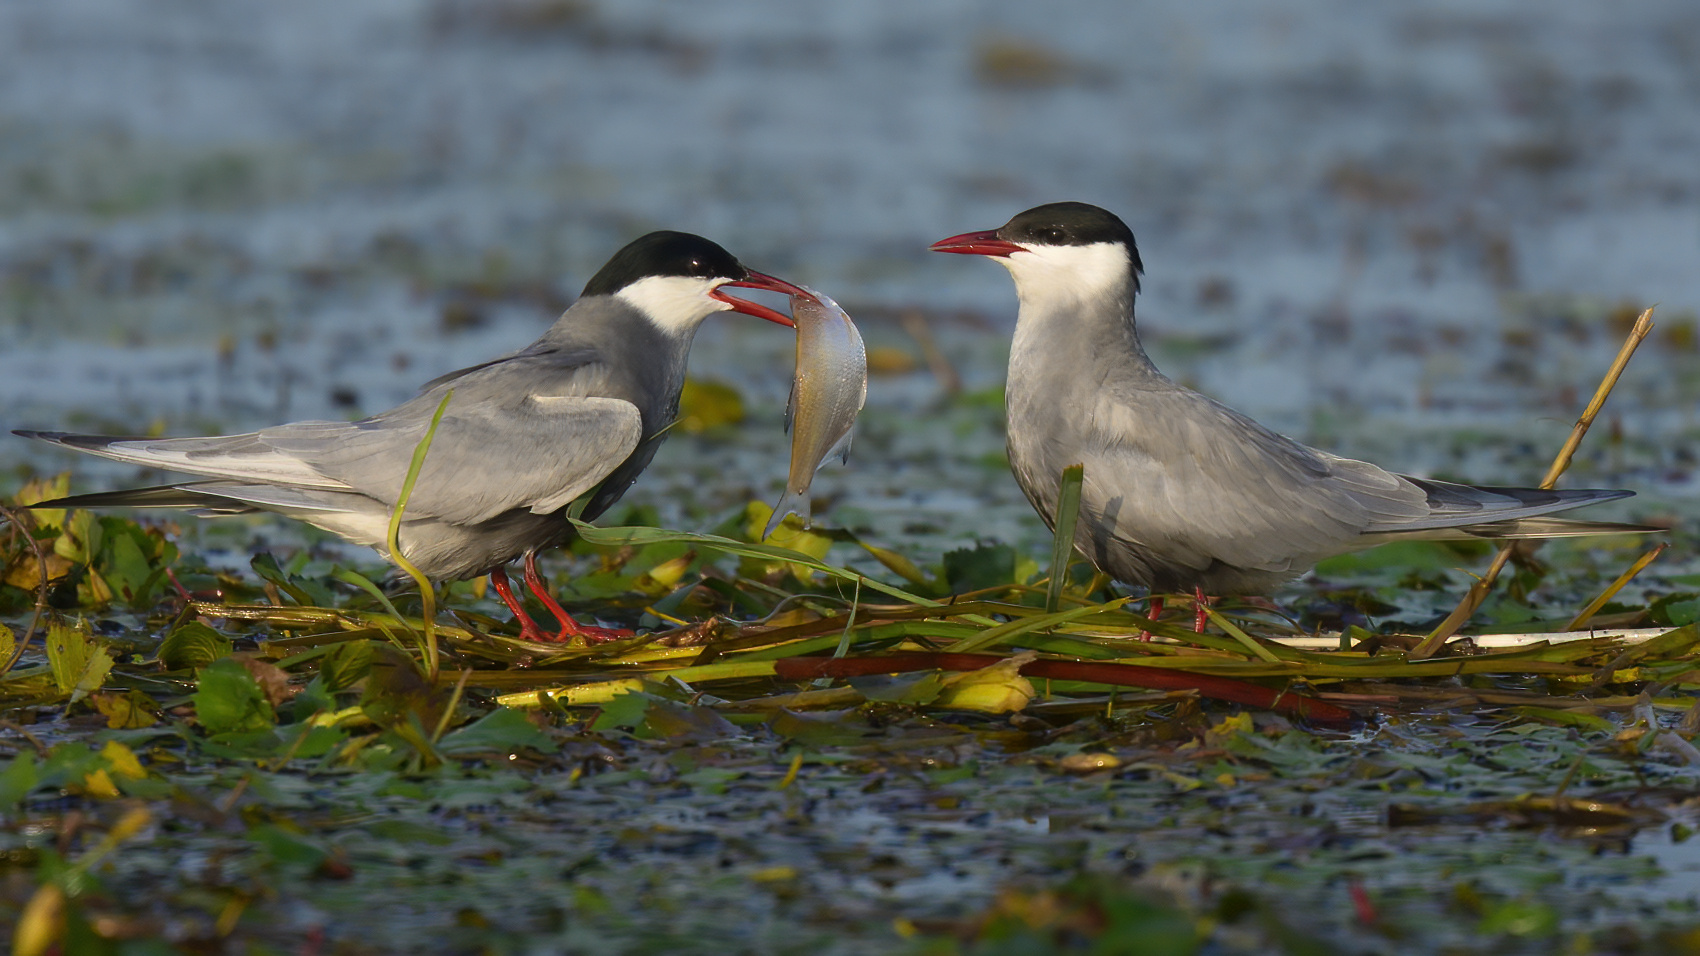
827	394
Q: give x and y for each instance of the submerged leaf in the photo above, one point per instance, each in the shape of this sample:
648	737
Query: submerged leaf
987	566
191	646
229	700
346	664
503	731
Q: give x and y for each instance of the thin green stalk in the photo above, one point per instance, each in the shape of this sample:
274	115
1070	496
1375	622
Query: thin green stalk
1062	548
448	711
1013	629
365	584
1246	640
640	536
427	593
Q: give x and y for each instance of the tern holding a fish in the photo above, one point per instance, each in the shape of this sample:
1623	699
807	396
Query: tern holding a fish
830	388
578	414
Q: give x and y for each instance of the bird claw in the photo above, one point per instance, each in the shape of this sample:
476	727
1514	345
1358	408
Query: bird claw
528	629
571	631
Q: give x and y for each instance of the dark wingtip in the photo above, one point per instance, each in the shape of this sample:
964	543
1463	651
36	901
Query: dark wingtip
73	440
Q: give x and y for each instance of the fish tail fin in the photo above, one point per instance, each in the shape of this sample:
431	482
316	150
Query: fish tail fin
793	503
842	449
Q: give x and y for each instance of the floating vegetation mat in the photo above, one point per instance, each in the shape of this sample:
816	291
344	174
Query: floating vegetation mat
983	753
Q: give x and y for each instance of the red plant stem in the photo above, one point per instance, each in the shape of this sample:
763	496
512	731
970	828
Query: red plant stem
1363	906
1129	675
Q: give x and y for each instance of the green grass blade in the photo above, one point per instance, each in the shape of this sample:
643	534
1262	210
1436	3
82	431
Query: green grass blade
1013	629
1068	513
427	593
640	536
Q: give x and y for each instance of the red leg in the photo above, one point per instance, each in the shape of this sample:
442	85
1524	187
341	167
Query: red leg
1154	612
528	629
569	627
1200	610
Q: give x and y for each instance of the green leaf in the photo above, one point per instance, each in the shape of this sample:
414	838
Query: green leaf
123	562
501	731
986	566
1519	918
266	567
192	646
69	762
315	698
229	700
287	848
396	689
1567	718
1676	609
19	778
626	710
346	664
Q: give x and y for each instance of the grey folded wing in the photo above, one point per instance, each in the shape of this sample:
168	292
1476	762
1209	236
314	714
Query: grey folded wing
1199	483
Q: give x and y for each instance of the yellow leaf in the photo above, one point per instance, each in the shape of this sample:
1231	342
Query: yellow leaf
125	711
130	824
8	644
995	689
122	761
790	534
1230	726
45	489
664	576
705	404
24	572
79	663
1089	763
99	784
42	923
890	360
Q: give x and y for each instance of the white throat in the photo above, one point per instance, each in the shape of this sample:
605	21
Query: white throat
676	304
1049	277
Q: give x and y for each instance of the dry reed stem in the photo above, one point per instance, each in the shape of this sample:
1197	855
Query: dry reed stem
1587	613
1479	591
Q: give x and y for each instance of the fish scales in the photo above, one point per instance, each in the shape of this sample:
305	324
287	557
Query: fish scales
829	389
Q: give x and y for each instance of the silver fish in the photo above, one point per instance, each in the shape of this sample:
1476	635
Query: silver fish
828	392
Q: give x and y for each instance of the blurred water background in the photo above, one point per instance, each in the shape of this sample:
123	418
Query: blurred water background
1414	233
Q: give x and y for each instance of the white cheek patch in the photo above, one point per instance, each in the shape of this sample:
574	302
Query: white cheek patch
677	304
1050	273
